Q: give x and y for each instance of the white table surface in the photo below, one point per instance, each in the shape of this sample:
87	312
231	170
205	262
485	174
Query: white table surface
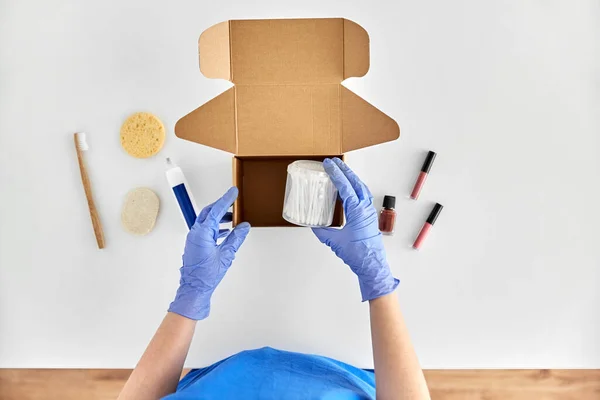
507	93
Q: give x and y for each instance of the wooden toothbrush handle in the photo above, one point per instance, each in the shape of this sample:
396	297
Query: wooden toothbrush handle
87	187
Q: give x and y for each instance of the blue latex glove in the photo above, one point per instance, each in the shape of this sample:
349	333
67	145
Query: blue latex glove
205	262
358	243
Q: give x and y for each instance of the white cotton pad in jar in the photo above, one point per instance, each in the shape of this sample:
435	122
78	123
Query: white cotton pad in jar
309	195
140	210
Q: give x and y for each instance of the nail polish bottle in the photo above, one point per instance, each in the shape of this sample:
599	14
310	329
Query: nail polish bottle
387	216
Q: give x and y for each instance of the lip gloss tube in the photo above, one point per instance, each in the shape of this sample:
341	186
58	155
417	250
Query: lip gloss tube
423	175
437	209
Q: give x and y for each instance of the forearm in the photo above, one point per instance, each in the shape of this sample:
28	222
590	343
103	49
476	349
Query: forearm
397	371
159	369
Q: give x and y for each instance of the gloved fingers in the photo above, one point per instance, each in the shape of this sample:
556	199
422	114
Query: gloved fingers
359	187
235	239
227	217
220	207
325	234
342	183
223	233
202	216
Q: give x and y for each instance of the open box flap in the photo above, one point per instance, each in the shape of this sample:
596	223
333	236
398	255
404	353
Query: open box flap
363	125
212	124
356	50
288	98
284	51
214	52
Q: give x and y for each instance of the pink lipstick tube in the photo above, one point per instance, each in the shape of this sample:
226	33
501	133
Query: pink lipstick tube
437	209
423	175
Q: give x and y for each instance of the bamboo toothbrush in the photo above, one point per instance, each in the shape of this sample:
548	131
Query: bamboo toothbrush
81	146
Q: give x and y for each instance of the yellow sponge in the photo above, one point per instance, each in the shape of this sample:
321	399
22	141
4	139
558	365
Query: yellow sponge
142	135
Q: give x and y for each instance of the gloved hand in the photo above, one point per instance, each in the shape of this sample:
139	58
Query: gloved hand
359	242
205	262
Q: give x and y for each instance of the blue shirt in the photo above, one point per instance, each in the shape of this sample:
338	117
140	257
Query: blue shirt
274	374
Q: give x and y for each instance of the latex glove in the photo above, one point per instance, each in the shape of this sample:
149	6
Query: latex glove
204	262
358	243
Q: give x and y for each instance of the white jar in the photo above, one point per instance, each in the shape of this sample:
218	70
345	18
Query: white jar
309	195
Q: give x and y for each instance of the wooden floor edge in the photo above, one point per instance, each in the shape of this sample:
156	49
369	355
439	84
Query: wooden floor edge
488	384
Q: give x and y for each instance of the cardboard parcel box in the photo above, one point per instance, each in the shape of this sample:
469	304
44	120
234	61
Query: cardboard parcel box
287	104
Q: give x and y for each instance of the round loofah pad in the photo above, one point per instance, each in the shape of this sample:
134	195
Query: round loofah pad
140	211
142	135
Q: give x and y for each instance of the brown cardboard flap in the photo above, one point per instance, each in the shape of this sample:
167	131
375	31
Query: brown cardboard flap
288	98
287	51
212	124
214	52
288	120
356	50
364	125
284	51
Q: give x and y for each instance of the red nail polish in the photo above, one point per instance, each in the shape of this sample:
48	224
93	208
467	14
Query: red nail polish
423	175
437	209
387	216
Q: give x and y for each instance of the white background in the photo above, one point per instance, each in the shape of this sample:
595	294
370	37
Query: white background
506	92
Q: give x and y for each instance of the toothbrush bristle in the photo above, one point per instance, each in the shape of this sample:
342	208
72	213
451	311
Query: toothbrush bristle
82	142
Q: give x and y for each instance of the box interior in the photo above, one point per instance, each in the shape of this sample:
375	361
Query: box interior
261	182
